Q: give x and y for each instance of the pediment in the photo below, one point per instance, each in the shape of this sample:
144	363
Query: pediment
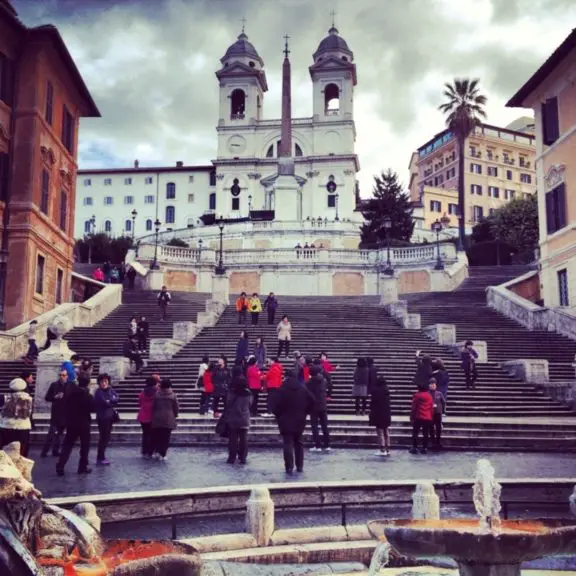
556	175
241	69
332	63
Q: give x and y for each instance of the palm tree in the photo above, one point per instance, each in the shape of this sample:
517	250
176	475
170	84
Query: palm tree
464	111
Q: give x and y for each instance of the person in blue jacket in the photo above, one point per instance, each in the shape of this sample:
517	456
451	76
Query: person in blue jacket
105	400
71	366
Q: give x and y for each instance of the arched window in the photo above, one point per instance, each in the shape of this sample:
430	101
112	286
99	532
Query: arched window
170	191
108	226
237	104
170	215
331	100
190	223
270	152
298	150
87	227
128	226
148	225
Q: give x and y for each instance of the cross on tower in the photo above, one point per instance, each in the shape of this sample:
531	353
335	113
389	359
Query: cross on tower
333	14
286	51
243	24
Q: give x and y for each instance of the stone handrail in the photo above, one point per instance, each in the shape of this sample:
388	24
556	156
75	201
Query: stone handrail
14	342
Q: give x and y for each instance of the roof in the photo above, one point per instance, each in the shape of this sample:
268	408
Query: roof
556	58
145	169
332	42
242	48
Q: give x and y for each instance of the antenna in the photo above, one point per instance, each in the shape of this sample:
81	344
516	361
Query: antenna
286	51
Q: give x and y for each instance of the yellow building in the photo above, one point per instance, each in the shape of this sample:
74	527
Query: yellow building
551	93
499	166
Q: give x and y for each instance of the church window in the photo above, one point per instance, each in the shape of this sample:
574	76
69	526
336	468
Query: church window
235	204
170	191
212	201
148	224
213	178
128	226
331	100
298	151
237	104
108	226
251	64
344	59
270	152
170	215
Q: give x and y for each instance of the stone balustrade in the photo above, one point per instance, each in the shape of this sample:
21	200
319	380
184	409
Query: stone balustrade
443	334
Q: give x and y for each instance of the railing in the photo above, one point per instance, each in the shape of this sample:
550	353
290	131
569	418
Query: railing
295	122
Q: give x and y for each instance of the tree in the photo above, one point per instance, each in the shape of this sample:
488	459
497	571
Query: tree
516	223
389	200
177	242
102	248
464	111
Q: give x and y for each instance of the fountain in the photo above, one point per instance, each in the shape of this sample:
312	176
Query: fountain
485	547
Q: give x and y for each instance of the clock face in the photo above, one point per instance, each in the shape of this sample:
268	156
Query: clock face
236	144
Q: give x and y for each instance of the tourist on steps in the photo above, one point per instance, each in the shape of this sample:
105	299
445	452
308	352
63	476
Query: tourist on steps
423	369
272	382
372	373
241	308
164	414
164	299
360	389
32	354
131	275
15	423
328	368
254	377
318	387
439	407
146	404
133	327
468	357
260	352
271	305
292	403
201	369
381	414
242	349
130	351
207	389
441	376
221	382
105	402
284	331
55	396
421	417
238	402
142	334
255	308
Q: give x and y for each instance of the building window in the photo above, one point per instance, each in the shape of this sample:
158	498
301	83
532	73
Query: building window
170	191
63	210
108	200
438	180
235	204
40	264
476	189
331	200
556	209
107	181
191	178
331	100
509	194
435	206
298	150
148	199
49	111
493	171
550	123
475	168
563	294
88	201
128	199
524	162
128	226
478	213
212	201
148	225
59	283
148	180
270	151
87	227
170	215
67	130
453	209
237	104
491	211
526	178
213	178
87	182
127	181
190	198
450	173
108	226
493	191
509	175
45	192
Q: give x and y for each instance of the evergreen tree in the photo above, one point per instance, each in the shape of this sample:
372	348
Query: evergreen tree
516	223
388	200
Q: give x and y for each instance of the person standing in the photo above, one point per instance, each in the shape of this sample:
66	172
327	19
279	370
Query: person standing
98	275
360	389
130	351
78	406
106	271
468	357
440	374
164	414
201	370
15	423
238	404
423	369
284	331
242	348
146	404
207	389
421	417
105	400
133	327
381	414
272	382
255	307
291	405
260	352
271	305
32	353
318	387
164	299
254	377
241	308
372	373
55	395
328	369
131	274
220	381
439	407
142	333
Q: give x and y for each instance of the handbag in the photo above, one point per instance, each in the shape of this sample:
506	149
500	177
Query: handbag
222	427
115	416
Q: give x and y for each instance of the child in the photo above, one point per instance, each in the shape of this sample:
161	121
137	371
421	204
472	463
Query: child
208	389
439	407
421	418
468	356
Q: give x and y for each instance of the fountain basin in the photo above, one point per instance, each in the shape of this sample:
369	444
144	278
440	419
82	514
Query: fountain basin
463	540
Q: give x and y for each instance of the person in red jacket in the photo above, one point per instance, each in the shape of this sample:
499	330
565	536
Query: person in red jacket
254	377
146	402
421	418
273	380
208	389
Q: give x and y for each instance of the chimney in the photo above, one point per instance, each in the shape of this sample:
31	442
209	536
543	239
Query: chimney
136	164
179	164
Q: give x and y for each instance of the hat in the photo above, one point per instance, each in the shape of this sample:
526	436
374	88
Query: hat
18	385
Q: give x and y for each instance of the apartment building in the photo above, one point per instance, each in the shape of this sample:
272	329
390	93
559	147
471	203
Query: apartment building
551	93
499	166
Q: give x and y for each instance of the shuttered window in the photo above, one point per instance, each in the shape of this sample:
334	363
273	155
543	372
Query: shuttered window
67	130
556	209
550	123
4	171
45	192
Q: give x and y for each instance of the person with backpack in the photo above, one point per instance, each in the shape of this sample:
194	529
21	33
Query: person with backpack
241	308
221	382
421	417
207	389
164	299
238	402
318	387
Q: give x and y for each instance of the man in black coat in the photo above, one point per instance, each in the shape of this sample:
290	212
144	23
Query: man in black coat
291	404
55	396
318	387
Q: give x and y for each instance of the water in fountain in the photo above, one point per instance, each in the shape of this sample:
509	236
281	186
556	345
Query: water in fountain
425	502
380	559
486	496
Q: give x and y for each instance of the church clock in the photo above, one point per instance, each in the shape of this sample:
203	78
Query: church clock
236	144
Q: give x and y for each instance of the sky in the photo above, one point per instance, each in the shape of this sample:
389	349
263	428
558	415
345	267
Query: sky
150	66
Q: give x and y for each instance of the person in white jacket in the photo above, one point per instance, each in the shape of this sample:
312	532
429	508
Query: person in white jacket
284	330
15	423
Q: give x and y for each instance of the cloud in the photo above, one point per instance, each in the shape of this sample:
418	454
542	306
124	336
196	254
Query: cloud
150	65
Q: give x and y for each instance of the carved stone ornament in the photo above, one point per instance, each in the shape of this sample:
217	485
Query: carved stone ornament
48	155
219	176
556	175
348	172
312	173
3	132
254	175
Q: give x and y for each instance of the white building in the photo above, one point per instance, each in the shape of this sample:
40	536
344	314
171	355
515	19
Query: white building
243	174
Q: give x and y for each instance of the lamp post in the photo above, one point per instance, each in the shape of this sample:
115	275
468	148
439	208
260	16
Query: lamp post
134	214
387	226
336	197
200	242
92	231
437	227
249	205
157	225
220	270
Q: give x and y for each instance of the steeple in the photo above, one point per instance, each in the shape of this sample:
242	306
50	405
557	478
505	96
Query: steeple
285	150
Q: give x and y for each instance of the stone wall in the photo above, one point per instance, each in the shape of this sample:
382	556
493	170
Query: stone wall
180	280
348	284
411	281
527	288
248	282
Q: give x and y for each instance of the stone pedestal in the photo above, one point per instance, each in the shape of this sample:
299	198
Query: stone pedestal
388	289
206	319
425	502
532	371
215	306
117	367
443	334
162	349
397	309
47	369
184	331
481	347
221	288
260	515
154	280
411	321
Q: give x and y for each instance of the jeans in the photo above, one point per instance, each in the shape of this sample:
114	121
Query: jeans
216	402
283	345
137	359
242	317
293	451
163	311
271	316
161	440
147	447
270	401
72	434
238	445
32	353
358	400
254	316
142	341
436	429
254	407
104	433
205	398
425	426
8	435
383	435
471	374
53	439
322	418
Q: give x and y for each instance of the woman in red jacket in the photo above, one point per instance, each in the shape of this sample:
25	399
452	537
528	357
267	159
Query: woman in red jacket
273	380
421	418
146	402
208	389
254	377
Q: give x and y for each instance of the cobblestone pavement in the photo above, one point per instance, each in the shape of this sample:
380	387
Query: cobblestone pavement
196	467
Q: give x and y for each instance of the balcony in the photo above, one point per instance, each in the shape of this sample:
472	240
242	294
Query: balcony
509	161
332	112
240	116
475	154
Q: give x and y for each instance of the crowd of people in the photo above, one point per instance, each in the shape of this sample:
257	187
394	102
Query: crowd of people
111	274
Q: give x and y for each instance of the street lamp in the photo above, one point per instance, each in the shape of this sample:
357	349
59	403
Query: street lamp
134	214
92	222
220	270
336	197
387	226
249	205
200	242
437	227
154	265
